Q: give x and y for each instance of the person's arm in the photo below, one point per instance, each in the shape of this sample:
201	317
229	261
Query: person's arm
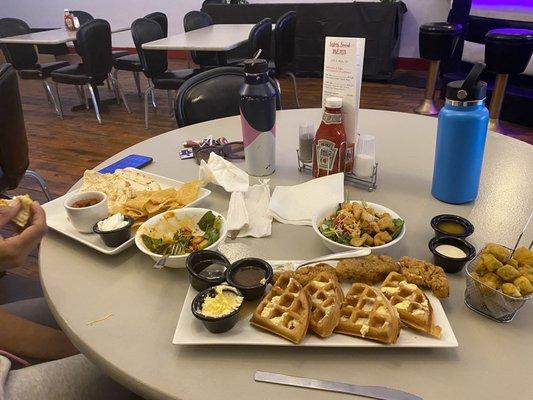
28	339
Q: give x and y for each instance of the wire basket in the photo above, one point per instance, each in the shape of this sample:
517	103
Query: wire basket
488	301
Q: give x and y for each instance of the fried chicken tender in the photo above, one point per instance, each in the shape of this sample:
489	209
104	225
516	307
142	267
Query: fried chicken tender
524	285
511	290
370	269
425	274
508	273
305	275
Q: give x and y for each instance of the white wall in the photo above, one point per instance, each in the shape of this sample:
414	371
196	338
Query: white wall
49	13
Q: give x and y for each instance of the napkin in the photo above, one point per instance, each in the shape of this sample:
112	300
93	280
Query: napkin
223	173
296	205
248	211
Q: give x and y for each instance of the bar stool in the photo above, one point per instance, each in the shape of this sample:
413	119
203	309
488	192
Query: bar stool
507	51
437	40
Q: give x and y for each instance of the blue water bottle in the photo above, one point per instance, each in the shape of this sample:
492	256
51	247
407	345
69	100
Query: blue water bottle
461	134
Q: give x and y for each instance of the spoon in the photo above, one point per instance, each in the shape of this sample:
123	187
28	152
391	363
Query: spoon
336	256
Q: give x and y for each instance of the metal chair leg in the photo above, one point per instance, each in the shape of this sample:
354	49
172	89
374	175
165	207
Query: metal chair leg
108	85
113	80
95	103
170	104
146	94
58	99
153	101
51	97
40	180
137	80
120	92
428	107
295	88
47	94
498	93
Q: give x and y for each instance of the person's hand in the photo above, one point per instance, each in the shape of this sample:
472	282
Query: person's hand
15	249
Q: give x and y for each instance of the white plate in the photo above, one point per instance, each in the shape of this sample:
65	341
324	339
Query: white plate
56	217
191	331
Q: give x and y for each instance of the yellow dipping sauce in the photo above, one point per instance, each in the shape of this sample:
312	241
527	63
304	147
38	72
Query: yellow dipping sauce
225	301
451	227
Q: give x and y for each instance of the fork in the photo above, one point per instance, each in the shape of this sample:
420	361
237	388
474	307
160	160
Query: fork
163	260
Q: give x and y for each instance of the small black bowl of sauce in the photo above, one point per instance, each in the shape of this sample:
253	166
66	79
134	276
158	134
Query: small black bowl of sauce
451	253
451	225
206	268
250	276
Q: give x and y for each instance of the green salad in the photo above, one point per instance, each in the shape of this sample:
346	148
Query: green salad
356	224
187	238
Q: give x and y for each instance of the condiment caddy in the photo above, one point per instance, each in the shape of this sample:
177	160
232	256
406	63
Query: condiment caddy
369	183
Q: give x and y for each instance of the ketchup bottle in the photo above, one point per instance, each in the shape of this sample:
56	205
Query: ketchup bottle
329	146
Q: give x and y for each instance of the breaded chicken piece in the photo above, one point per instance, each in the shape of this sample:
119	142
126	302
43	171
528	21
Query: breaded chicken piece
370	269
425	274
305	275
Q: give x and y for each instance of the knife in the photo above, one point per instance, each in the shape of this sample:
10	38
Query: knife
373	392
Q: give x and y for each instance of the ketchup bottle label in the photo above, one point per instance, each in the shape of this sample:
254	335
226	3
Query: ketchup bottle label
326	154
329	118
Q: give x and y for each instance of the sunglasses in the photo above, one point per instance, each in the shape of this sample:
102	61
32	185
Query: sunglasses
231	150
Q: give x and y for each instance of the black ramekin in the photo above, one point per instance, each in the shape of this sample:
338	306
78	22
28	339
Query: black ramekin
115	237
448	264
214	325
195	264
469	228
250	292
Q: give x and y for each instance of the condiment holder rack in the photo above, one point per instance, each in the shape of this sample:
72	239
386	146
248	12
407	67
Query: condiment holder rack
369	183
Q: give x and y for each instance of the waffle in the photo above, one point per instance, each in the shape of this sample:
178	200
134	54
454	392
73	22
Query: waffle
365	312
284	311
325	295
411	302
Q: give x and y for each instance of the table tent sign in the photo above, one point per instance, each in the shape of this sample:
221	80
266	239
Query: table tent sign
343	71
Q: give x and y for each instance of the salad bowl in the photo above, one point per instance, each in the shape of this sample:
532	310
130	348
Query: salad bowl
161	236
334	246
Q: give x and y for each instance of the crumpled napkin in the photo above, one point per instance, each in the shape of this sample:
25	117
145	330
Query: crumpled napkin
296	205
248	211
223	173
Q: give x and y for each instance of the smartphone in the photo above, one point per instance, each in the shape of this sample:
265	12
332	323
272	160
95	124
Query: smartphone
133	161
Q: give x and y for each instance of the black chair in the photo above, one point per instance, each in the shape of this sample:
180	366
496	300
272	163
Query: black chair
14	158
24	58
210	95
83	18
507	52
94	40
196	20
437	42
131	62
213	2
284	41
155	63
259	39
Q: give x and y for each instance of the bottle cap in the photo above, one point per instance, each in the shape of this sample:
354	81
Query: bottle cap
257	66
333	102
471	89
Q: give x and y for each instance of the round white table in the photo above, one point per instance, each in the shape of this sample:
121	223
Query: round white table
493	361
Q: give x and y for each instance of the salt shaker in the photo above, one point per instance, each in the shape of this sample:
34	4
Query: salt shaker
306	136
365	156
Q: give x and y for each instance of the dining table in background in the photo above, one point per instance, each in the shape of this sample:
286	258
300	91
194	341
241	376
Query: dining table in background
134	344
53	36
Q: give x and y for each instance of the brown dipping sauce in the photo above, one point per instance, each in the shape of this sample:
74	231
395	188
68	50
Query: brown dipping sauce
85	203
451	227
249	276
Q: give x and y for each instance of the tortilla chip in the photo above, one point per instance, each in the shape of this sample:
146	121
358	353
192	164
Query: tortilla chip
188	192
